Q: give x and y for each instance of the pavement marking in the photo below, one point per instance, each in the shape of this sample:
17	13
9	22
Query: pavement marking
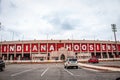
44	71
69	72
77	75
15	74
56	64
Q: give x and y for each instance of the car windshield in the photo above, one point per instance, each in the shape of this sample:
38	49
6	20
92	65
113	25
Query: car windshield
94	58
72	59
1	61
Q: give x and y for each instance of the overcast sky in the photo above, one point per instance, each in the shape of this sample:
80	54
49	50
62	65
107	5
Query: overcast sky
59	19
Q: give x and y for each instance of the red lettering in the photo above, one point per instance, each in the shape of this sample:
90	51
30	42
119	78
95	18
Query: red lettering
18	48
98	47
43	47
84	47
118	47
68	46
109	47
4	48
34	48
103	47
114	47
11	48
76	47
51	47
60	45
91	47
27	48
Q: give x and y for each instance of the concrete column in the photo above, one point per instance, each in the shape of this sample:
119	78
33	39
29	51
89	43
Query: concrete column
30	50
47	51
94	48
14	50
101	50
95	53
113	51
80	50
38	51
7	52
22	50
101	55
56	50
107	55
38	48
88	47
107	51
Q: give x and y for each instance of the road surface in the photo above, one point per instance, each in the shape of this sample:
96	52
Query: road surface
53	72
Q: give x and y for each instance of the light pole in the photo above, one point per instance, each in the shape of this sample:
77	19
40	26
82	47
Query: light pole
0	42
114	29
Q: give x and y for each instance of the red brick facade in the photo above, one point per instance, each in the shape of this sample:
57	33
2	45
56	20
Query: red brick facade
55	49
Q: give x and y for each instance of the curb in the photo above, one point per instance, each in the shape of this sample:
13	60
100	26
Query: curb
99	67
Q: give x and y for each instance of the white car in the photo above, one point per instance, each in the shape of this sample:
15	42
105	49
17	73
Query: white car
71	62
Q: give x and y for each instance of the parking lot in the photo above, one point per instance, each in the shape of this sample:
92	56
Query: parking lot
54	71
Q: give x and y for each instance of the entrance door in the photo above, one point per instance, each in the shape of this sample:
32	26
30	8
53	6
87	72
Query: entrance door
62	57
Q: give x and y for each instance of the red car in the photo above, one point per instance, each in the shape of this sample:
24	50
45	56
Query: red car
93	60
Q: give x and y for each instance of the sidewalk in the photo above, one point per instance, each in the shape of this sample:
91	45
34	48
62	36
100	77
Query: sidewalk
98	67
32	61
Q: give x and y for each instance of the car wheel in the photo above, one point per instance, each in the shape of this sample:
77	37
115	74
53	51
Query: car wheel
64	66
2	69
76	67
67	67
118	78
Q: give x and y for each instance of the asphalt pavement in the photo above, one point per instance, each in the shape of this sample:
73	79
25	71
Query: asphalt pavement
53	72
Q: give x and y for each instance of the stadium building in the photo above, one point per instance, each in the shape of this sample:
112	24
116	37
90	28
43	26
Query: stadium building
58	49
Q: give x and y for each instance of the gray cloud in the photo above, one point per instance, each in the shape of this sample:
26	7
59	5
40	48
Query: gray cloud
61	22
80	18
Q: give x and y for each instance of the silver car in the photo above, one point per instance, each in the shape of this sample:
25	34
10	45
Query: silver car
71	63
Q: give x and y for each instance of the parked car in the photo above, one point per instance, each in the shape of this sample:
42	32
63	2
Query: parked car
93	60
2	65
71	63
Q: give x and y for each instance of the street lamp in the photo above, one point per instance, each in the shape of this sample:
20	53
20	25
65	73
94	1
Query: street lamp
114	29
0	42
0	26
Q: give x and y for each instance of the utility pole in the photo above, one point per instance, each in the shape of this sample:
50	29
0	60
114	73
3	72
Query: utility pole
114	29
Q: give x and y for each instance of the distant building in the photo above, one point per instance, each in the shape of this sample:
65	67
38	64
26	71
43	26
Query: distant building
58	49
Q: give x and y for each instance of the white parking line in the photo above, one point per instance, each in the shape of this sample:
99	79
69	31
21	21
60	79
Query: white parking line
69	72
44	72
15	74
77	75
